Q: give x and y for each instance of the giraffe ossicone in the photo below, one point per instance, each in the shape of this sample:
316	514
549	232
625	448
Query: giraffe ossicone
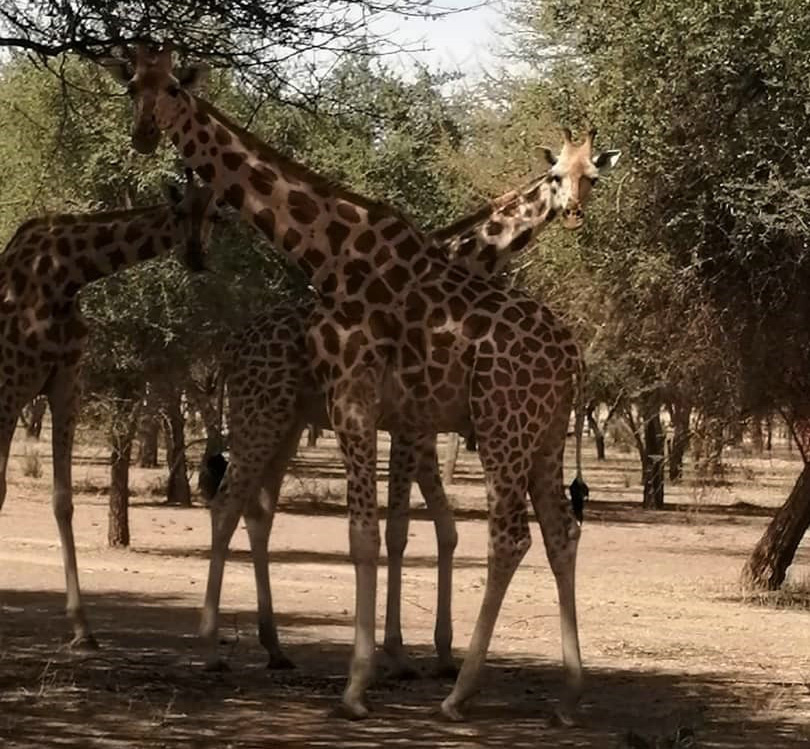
402	339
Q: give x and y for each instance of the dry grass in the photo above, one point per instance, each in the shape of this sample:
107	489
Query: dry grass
31	463
794	594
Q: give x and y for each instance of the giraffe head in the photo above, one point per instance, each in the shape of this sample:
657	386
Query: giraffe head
574	173
154	85
195	211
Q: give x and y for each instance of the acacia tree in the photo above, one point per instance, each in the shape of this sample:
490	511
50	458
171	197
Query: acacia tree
709	100
274	44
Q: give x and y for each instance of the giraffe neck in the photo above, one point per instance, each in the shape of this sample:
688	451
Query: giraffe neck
67	252
335	236
486	240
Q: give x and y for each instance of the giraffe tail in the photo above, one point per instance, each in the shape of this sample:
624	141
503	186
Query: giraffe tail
578	489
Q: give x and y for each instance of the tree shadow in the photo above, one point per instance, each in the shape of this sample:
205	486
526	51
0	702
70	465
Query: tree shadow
144	688
596	511
308	556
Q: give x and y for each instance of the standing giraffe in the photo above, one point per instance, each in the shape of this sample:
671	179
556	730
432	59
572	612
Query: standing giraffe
272	397
43	334
399	339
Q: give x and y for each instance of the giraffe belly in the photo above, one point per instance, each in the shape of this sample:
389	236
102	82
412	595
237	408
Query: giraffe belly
413	402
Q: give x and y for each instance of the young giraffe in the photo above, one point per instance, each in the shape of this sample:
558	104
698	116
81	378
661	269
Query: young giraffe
403	340
42	331
266	366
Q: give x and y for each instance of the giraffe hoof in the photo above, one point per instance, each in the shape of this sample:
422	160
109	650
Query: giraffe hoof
280	662
451	712
351	710
83	644
564	716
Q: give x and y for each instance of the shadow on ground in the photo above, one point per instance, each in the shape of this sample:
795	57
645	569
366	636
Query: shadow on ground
307	556
597	510
145	689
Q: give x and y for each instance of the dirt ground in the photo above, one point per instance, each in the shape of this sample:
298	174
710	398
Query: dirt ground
667	640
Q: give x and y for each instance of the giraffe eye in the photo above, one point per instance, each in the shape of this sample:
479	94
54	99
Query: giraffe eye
174	89
556	179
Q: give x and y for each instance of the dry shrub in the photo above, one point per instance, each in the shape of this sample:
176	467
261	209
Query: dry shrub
31	464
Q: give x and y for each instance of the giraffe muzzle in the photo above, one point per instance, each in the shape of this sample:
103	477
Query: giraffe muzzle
145	139
573	218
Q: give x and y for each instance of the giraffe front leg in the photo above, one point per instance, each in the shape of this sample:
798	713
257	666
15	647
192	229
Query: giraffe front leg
561	534
357	438
402	466
509	540
430	484
240	487
63	397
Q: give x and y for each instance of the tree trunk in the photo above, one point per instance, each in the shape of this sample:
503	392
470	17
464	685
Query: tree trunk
767	566
148	432
118	519
450	458
178	491
757	436
470	443
598	433
313	433
635	430
681	414
654	465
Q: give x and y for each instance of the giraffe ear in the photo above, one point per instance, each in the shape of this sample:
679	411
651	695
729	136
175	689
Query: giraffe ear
606	160
119	69
549	155
192	77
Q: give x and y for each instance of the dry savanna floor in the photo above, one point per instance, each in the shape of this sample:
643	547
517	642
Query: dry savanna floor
668	641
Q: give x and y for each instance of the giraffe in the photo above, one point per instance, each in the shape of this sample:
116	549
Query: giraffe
43	334
403	340
268	358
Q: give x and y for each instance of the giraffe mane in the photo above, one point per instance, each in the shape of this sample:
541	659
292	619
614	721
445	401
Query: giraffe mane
484	211
297	169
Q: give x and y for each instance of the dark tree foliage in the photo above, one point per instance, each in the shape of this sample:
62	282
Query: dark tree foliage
259	38
709	99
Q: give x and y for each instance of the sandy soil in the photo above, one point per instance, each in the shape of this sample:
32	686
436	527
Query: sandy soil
667	640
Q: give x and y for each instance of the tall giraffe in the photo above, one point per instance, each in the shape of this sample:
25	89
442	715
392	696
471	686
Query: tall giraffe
402	340
43	334
269	358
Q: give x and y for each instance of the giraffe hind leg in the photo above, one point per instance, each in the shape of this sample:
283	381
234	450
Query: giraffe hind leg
509	540
402	466
416	457
561	533
7	425
63	397
430	484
